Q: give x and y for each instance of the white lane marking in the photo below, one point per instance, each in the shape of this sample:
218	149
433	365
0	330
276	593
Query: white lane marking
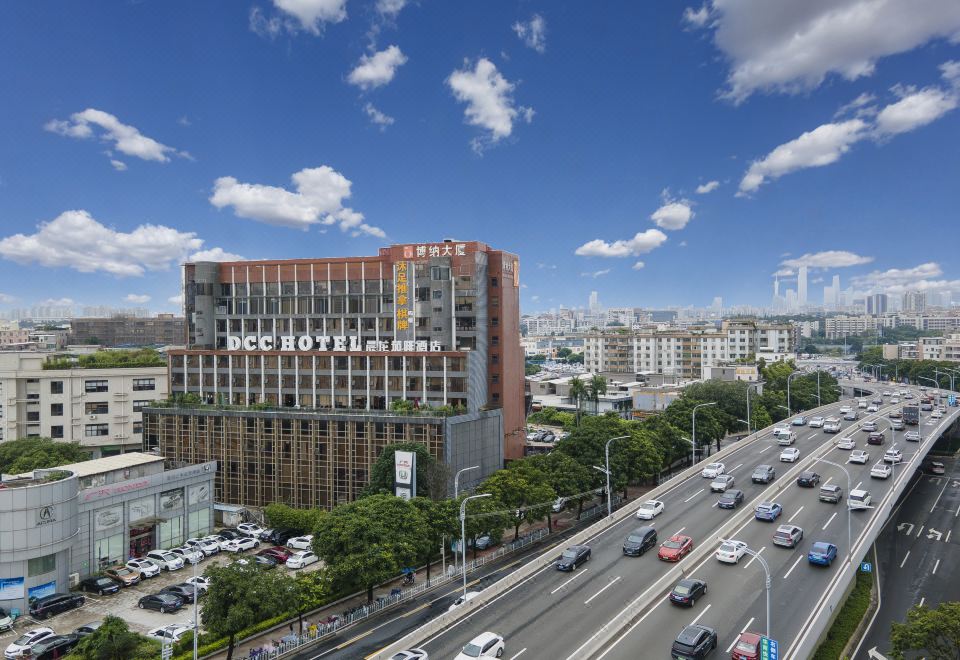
676	533
743	630
568	581
628	630
694	622
692	496
920	532
765	449
827	481
922	598
519	653
715	504
796	513
787	574
760	551
858	485
949	531
935	502
812	436
609	584
829	521
736	468
957	514
935	567
904	559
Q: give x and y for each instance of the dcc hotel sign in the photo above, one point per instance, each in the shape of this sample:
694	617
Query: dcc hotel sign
324	343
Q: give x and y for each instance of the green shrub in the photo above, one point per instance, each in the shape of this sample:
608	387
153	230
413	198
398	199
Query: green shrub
847	621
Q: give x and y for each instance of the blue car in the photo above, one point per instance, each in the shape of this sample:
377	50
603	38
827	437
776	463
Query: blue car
767	511
822	553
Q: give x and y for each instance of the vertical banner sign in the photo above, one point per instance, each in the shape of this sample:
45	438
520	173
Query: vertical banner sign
405	474
402	300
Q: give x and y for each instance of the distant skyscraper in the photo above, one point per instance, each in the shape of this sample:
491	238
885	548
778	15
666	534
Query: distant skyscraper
776	287
914	301
877	304
802	286
594	302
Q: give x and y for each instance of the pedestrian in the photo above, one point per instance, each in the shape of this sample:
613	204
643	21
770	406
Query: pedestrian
291	627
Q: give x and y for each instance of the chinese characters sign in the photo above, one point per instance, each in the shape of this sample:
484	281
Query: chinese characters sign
441	250
402	296
323	343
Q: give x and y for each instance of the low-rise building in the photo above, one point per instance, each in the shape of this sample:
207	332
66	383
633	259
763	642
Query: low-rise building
161	330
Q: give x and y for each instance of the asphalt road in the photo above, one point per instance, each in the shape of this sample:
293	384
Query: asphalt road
917	555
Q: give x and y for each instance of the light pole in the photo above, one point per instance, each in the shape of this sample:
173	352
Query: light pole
693	415
767	583
953	373
196	631
936	384
463	535
937	373
456	494
750	386
606	454
789	410
849	488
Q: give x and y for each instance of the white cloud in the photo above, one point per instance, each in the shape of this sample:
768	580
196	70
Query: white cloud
546	266
376	117
827	259
124	138
697	18
821	146
319	196
858	107
176	300
673	214
74	239
533	33
895	276
312	14
215	254
136	298
184	121
390	8
683	244
951	72
6	298
816	280
638	266
784	272
792	47
58	302
118	165
377	69
641	243
535	298
915	110
489	99
707	187
264	26
597	273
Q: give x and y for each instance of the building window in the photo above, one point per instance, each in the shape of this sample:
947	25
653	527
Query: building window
96	408
41	565
437	294
439	273
140	405
495	340
496	397
56	410
56	432
138	428
494	282
33	416
95	385
109	551
143	384
495	378
495	321
56	387
94	430
494	359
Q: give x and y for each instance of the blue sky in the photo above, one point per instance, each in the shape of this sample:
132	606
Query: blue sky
140	134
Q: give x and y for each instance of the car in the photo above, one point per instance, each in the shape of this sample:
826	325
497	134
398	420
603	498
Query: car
894	399
687	591
781	430
763	474
166	559
470	595
675	548
730	499
808	479
230	533
880	471
847	443
799	421
87	628
410	654
831	425
250	529
184	591
852	416
747	647
127	577
877	402
145	567
484	645
895	414
47	606
862	404
859	456
830	493
936	414
868	426
302	558
926	407
912	436
786	439
892	456
53	647
859	499
875	438
279	536
203	583
908	395
822	553
266	563
300	542
936	467
887	393
278	553
816	422
573	557
897	424
694	642
767	511
845	409
483	542
721	483
26	641
730	552
190	554
872	408
162	602
650	510
6	621
713	470
789	455
100	585
639	541
170	633
206	545
788	536
240	544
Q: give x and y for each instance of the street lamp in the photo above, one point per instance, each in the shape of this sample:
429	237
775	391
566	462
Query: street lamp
606	454
953	373
849	488
456	494
693	415
750	386
795	373
935	383
937	373
767	583
196	597
463	535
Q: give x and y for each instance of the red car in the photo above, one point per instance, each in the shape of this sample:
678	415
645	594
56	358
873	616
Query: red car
674	548
277	552
747	647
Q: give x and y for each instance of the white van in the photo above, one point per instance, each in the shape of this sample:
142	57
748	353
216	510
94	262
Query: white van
859	499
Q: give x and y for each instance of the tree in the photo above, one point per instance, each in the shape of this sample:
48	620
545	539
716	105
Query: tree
441	520
282	516
114	640
934	633
578	392
530	369
597	387
518	489
634	459
484	516
308	591
369	541
428	484
810	349
28	454
564	352
575	358
566	476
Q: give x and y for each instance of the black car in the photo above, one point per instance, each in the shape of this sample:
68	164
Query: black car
53	648
87	628
639	541
47	606
688	591
763	474
265	562
808	479
231	534
731	499
100	585
573	557
183	591
162	602
694	642
281	536
875	438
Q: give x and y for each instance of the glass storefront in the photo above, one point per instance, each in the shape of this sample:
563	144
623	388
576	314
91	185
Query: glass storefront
109	551
170	532
198	523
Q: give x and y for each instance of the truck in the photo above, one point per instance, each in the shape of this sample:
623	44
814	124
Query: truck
911	415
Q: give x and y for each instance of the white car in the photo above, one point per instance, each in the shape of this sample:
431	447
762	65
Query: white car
300	542
250	529
816	422
650	510
847	443
206	545
166	559
936	414
485	645
203	583
241	544
862	404
730	552
873	408
713	470
880	471
170	633
859	456
781	430
831	425
892	456
26	641
190	554
790	455
895	399
147	567
845	409
868	427
887	393
302	558
721	483
463	599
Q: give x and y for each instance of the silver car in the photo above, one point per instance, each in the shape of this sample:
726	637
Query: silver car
721	483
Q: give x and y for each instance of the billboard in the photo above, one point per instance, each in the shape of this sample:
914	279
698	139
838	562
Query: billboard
405	474
11	588
42	590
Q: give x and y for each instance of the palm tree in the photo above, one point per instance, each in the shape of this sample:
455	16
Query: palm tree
578	392
596	387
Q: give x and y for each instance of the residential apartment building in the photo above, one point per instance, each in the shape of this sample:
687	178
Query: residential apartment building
163	330
99	408
940	349
540	326
914	301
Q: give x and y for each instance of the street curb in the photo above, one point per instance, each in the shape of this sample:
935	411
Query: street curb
867	617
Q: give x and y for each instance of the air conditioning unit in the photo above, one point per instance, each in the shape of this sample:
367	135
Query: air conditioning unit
93	416
117	435
74	580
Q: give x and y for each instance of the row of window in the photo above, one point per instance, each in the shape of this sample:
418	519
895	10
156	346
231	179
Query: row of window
93	408
94	430
139	385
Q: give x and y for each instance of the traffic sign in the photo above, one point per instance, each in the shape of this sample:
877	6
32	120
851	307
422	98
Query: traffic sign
866	567
769	649
166	651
